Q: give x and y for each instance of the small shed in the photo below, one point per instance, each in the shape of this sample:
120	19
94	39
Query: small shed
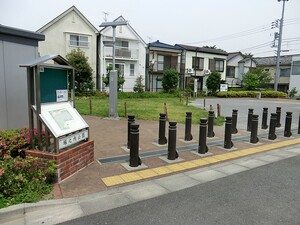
16	46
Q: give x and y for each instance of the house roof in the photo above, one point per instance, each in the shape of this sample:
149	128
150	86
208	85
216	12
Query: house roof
56	58
231	55
271	61
159	44
121	18
72	8
202	49
4	30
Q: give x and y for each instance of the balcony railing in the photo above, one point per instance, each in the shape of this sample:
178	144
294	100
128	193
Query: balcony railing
160	67
125	53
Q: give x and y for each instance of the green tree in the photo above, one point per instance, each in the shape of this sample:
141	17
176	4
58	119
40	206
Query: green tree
213	82
139	86
170	80
258	78
121	79
83	71
250	81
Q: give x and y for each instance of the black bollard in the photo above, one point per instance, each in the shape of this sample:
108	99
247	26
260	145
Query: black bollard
202	147
234	121
210	125
278	112
264	121
188	127
299	125
250	113
134	160
253	137
227	137
288	123
172	153
272	128
162	129
131	120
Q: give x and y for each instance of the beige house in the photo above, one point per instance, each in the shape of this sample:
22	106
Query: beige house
70	30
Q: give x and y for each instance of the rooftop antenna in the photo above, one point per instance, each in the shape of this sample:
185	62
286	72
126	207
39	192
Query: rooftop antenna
105	15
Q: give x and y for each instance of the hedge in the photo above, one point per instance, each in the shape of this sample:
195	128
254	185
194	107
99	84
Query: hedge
251	94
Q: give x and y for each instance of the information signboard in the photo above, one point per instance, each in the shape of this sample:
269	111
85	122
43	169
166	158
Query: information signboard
61	118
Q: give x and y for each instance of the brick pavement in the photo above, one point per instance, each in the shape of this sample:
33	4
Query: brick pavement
110	135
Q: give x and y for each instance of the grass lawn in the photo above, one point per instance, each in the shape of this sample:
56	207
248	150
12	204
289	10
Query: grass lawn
143	108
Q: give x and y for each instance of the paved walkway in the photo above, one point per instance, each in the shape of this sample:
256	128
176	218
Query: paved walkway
104	186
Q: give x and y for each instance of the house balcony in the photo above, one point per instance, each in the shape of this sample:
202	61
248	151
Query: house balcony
160	67
122	53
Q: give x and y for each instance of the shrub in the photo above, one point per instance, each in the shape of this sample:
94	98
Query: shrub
251	94
21	179
139	86
170	80
213	82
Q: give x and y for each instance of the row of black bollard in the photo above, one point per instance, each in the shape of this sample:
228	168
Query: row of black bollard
206	130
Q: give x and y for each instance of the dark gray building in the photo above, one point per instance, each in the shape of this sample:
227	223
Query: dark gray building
16	47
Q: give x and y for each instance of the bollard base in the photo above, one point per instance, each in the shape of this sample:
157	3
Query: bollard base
272	137
287	134
165	159
162	141
129	168
188	137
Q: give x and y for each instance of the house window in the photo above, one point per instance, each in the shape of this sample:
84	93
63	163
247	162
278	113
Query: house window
160	63
198	63
285	72
120	69
131	69
230	71
296	68
79	40
122	44
219	65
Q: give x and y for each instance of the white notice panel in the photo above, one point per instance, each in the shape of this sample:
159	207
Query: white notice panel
62	118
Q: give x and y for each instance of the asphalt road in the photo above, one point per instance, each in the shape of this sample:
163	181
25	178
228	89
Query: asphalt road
269	194
243	104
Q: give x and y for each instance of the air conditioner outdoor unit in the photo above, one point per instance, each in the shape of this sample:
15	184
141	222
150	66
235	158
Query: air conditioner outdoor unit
190	71
206	72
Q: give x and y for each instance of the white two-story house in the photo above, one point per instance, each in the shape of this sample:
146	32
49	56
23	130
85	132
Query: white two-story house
130	54
70	30
198	62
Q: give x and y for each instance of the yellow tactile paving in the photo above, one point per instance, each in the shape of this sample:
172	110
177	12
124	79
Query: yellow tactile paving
200	162
113	180
162	170
147	173
188	165
230	155
221	157
175	167
211	159
128	177
143	174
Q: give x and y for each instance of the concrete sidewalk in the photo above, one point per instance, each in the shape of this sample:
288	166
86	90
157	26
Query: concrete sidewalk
101	187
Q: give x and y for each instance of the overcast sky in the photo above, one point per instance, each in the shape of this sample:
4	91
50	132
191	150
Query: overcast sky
232	25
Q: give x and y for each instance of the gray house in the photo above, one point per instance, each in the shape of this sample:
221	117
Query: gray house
16	47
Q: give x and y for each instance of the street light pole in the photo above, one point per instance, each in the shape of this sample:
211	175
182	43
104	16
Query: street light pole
113	74
279	47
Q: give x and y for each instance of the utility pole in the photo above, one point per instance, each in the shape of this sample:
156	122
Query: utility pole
277	73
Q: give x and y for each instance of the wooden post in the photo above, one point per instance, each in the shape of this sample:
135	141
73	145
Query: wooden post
187	100
166	111
125	109
180	98
91	110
